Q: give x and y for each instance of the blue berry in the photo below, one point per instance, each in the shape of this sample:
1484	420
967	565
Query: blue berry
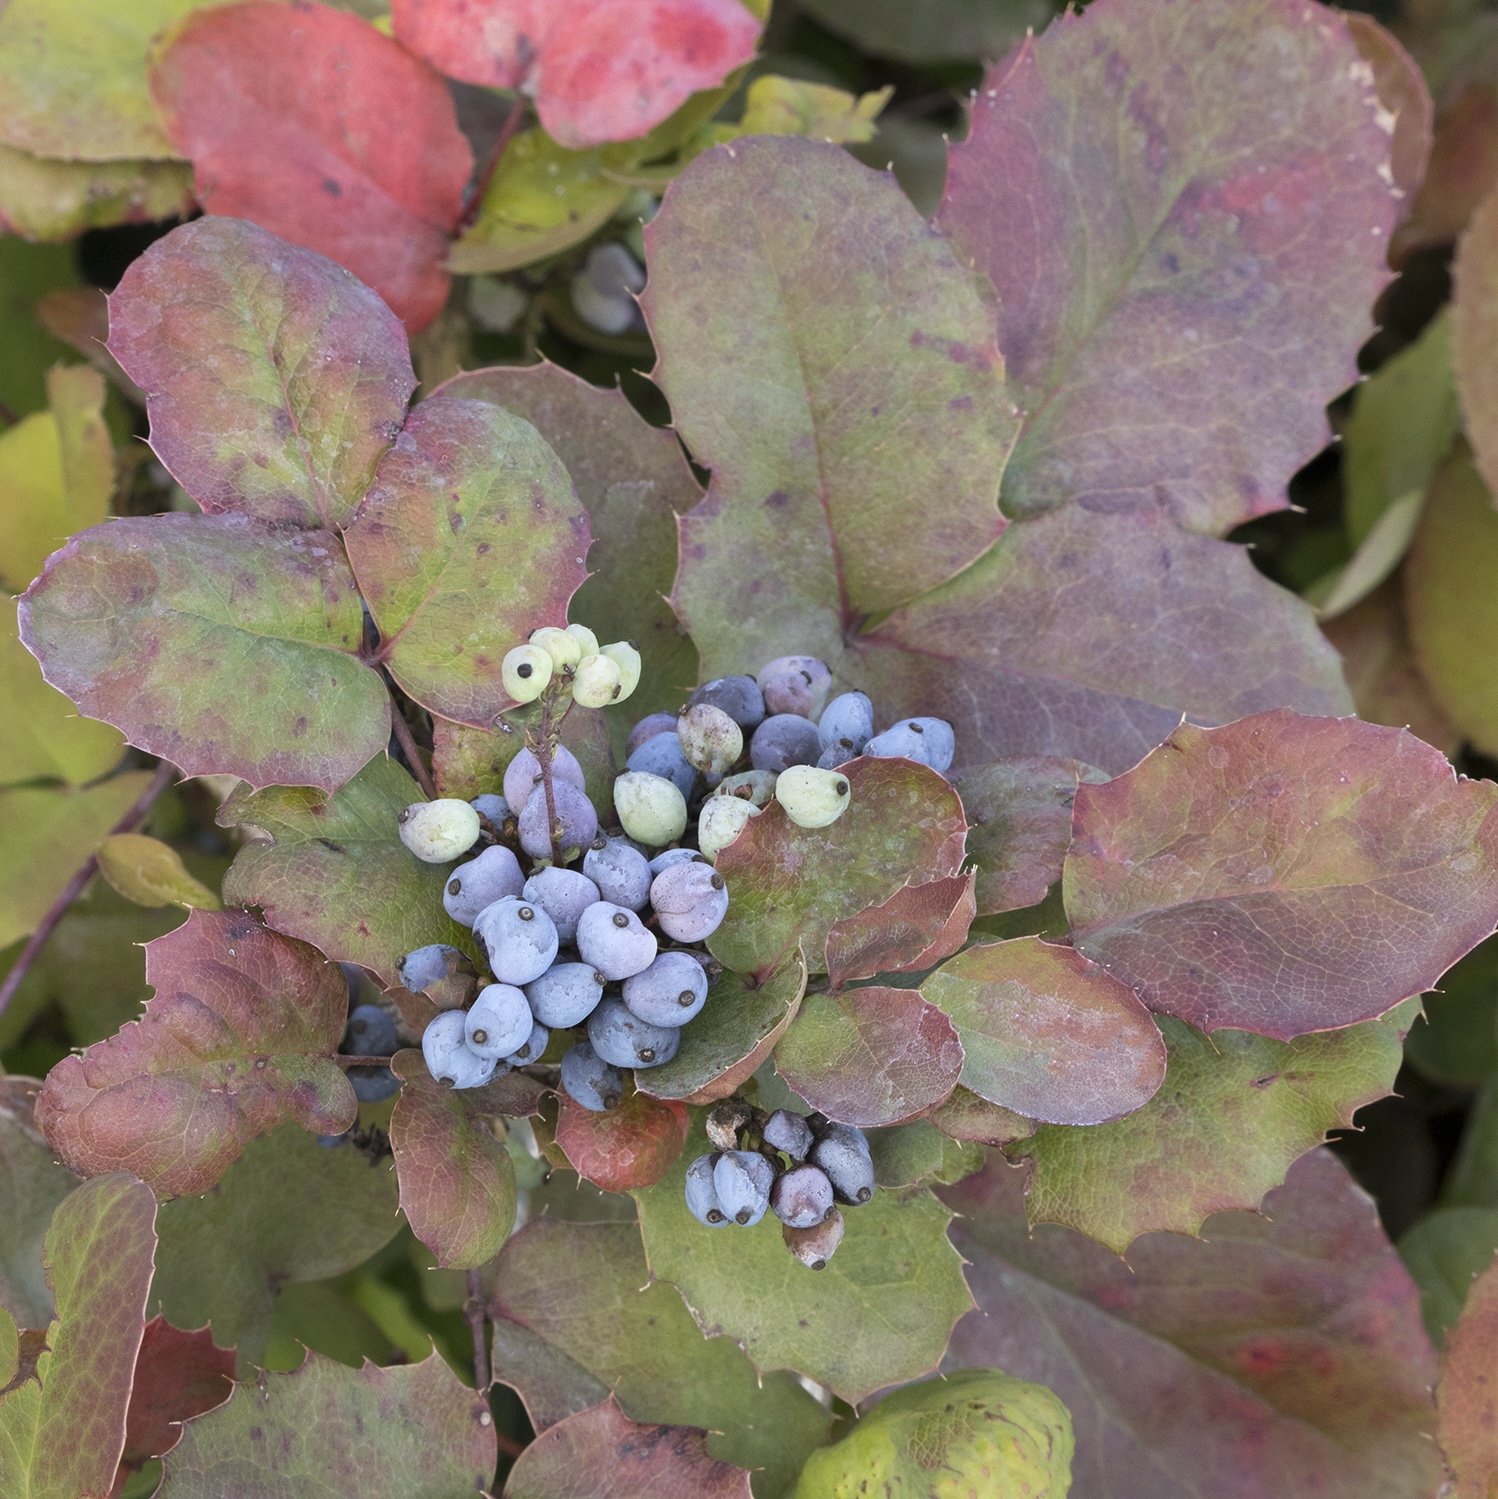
662	755
622	1038
575	813
620	871
588	1080
789	1132
614	941
690	901
929	741
843	1153
449	1058
801	1198
563	894
480	882
523	775
370	1033
742	1179
847	723
429	965
565	995
532	1050
783	740
702	1196
373	1084
520	939
739	697
499	1021
670	992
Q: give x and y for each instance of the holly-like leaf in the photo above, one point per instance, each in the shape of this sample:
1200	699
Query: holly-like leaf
633	481
1468	1394
457	1180
1234	1112
836	369
178	1375
870	1056
1279	1354
45	198
581	1292
598	70
1283	874
411	1432
306	387
1445	1252
310	122
1047	1034
728	1042
905	1154
151	873
333	871
633	1145
143	621
286	1211
1474	326
33	1186
236	1040
913	930
470	538
1183	275
62	1428
966	1116
894	1277
790	885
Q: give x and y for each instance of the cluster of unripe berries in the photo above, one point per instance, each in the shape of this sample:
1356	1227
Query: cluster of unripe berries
797	1167
599	675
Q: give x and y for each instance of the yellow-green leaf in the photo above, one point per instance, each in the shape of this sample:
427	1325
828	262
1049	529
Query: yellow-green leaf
151	873
49	198
790	106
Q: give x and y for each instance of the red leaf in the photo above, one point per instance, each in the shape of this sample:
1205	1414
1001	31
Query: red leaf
914	929
599	70
313	124
1468	1393
178	1375
633	1145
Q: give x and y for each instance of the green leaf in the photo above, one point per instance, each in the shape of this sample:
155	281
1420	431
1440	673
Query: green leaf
966	1116
836	370
28	273
791	106
31	1186
582	1292
237	1039
63	1430
1456	1040
412	1432
981	1429
1234	1112
333	871
791	885
45	198
151	873
906	1154
307	385
1283	874
913	930
879	1313
470	538
1474	327
1379	553
1443	1252
934	30
457	1182
1048	1034
1472	1178
287	1210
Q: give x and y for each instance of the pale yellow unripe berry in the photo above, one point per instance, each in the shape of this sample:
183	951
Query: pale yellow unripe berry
595	682
627	659
651	809
525	672
559	645
721	820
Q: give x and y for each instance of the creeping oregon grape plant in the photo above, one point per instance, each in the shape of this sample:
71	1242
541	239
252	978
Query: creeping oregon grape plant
823	871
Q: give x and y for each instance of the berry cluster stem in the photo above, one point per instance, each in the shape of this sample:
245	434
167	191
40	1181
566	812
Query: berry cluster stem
475	1312
547	736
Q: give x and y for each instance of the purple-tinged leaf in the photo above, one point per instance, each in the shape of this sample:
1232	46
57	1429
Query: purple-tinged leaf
1283	874
602	1452
217	642
470	538
177	1375
1474	326
913	930
1468	1394
836	369
274	378
870	1056
966	1116
411	1432
633	1145
457	1181
790	885
1280	1354
236	1040
1184	210
1047	1034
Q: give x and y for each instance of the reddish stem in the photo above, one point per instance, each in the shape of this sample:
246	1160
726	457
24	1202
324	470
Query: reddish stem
544	754
411	750
481	187
474	1311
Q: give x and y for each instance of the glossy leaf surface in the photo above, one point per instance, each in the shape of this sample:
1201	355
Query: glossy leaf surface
632	1145
914	929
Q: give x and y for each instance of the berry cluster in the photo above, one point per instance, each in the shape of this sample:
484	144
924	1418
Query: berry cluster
796	1167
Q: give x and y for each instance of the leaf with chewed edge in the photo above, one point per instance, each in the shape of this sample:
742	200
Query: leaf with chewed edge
274	378
238	1038
632	1145
914	929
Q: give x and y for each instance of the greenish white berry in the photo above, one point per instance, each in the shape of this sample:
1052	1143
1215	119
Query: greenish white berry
812	798
563	648
721	820
595	683
525	672
438	832
710	739
650	808
627	659
756	786
587	641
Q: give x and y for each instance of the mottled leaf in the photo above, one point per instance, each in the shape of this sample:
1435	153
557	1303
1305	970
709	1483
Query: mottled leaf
1279	1354
966	1116
1444	1252
151	873
1468	1394
63	1428
1234	1112
236	1040
333	871
457	1181
633	1145
894	1279
1283	874
582	1292
1474	327
31	1186
790	885
315	125
274	379
913	930
870	1056
1183	274
44	198
178	1375
470	538
836	370
412	1432
1047	1034
597	69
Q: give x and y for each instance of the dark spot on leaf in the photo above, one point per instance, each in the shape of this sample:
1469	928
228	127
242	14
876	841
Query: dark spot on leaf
332	187
777	499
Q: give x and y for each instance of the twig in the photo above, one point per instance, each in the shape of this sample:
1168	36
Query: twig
411	750
473	1311
345	1059
481	186
139	809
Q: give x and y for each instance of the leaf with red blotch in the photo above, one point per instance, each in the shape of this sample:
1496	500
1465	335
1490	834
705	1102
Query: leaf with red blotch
471	537
914	929
457	1181
633	1145
178	1375
143	621
1283	874
1468	1393
1183	275
870	1056
310	122
1279	1354
599	70
237	1039
273	379
621	1460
